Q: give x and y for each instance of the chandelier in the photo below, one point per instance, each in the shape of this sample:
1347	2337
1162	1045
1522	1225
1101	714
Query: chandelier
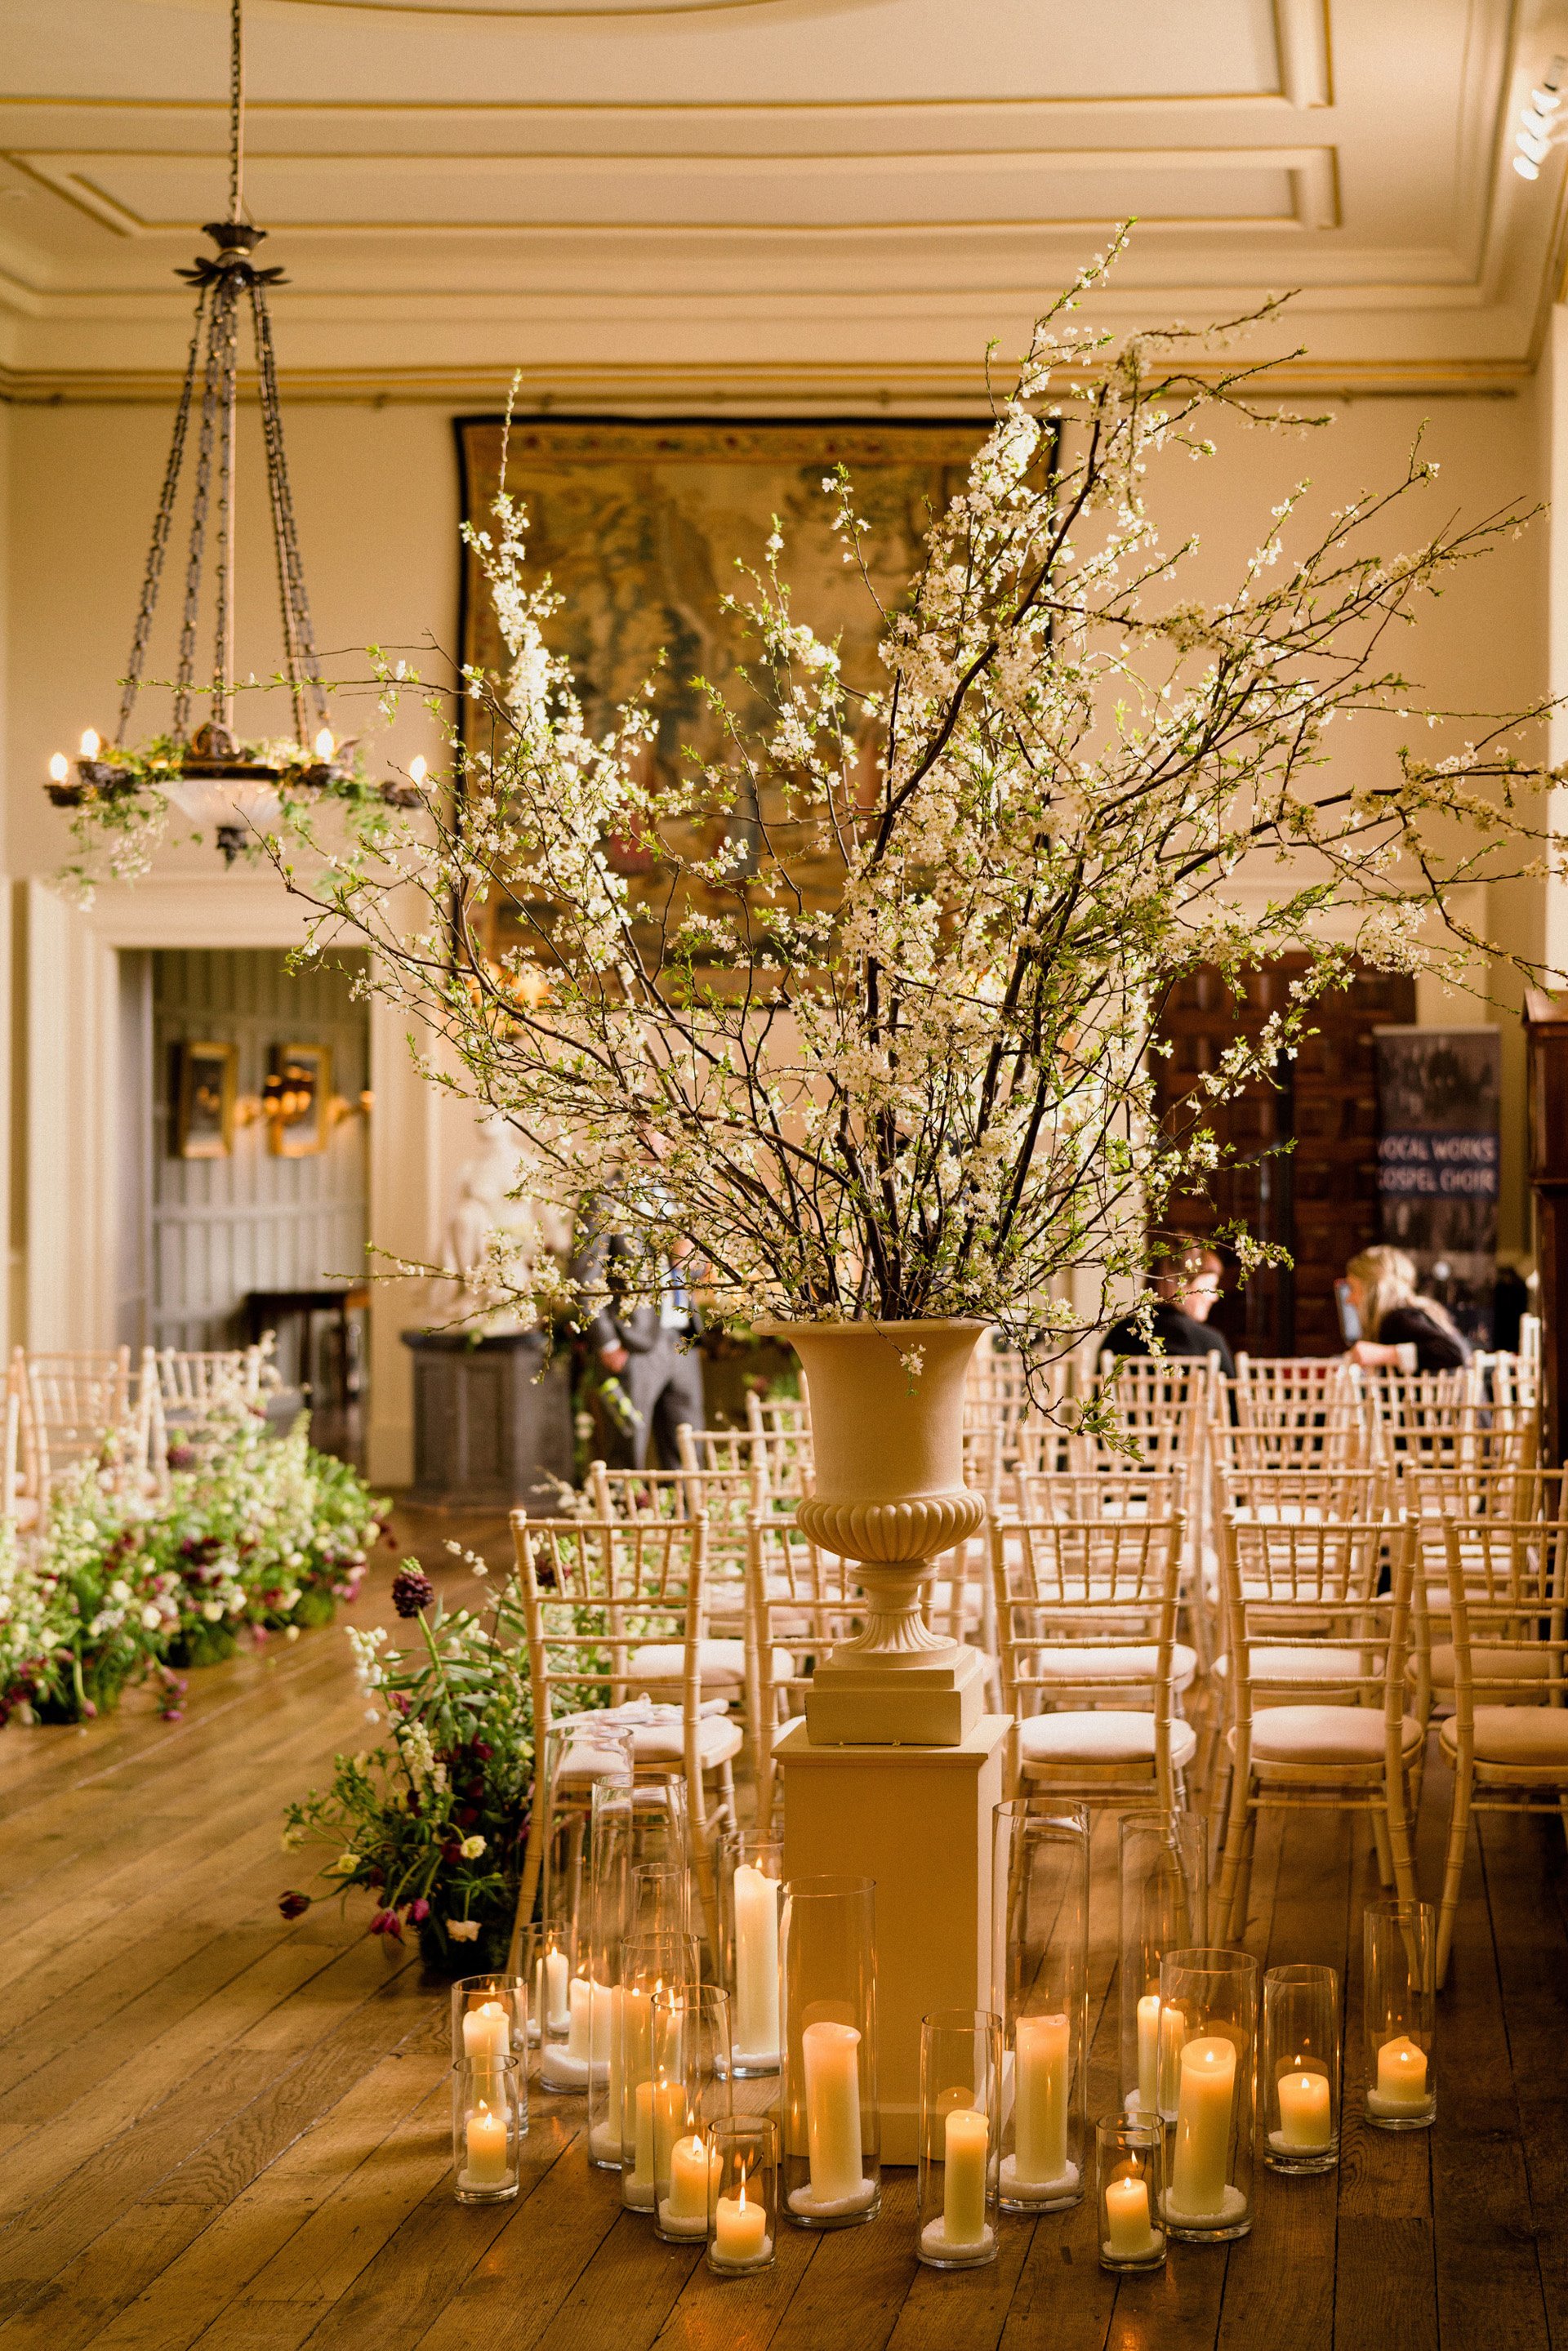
212	774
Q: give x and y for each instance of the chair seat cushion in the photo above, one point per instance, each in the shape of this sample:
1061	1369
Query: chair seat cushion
1533	1737
1110	1735
1305	1661
660	1665
1325	1734
719	1738
1134	1662
1520	1665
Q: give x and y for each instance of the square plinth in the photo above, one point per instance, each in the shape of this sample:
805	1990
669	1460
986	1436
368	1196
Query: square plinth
937	1705
918	1820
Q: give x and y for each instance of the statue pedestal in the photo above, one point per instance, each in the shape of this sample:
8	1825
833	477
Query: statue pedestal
490	1431
918	1820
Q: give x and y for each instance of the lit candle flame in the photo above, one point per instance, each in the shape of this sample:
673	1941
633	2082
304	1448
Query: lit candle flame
325	745
742	2197
91	743
59	768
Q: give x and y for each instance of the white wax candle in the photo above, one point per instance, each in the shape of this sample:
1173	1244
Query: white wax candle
1203	2125
756	1964
1303	2111
1173	2040
740	2229
643	2133
487	2034
484	2135
966	2140
832	2058
606	2045
1042	2046
1149	2053
692	2170
1402	2073
580	2037
1127	2231
636	2039
557	2011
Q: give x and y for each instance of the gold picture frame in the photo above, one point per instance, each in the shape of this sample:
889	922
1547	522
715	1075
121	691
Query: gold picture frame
298	1099
206	1083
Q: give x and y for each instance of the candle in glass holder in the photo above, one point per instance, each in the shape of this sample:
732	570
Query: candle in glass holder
1304	2112
755	1966
1149	2053
1173	2040
1203	2126
1128	2234
485	2135
580	2034
552	1998
966	2153
1402	2073
831	2062
1042	2046
693	2171
740	2229
487	2034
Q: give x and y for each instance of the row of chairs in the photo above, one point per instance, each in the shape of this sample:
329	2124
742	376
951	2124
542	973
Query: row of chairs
65	1408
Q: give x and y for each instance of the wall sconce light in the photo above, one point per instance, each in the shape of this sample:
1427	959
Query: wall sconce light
1541	125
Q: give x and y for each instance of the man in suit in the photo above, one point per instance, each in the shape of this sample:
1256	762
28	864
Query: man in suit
644	1346
1187	1284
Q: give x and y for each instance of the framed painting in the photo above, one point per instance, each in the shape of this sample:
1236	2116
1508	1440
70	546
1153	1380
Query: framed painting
640	526
298	1099
206	1085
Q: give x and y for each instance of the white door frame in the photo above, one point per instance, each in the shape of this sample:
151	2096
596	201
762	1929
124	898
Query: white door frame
72	1147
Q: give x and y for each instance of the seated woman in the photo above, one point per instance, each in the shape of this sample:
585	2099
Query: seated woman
1381	1283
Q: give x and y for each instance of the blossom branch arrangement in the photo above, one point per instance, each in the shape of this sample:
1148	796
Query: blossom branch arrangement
870	1020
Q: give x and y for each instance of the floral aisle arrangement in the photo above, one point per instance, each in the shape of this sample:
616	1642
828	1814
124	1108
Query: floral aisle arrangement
118	1585
433	1821
870	1018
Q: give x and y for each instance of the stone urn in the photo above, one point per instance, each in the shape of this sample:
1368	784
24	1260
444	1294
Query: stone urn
888	1492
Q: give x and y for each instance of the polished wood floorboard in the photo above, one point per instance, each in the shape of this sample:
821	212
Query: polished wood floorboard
219	2131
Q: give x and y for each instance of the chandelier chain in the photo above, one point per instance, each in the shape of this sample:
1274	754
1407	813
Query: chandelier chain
237	112
211	389
298	631
223	639
161	525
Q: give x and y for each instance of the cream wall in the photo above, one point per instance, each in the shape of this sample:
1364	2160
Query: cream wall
377	494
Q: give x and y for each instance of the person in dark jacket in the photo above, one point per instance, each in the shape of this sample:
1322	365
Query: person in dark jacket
1401	1329
1186	1283
646	1346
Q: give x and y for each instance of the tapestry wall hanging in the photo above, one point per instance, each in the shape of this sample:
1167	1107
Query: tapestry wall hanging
640	524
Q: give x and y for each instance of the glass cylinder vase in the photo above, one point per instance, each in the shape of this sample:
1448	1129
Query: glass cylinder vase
489	2117
748	1876
1299	2088
1163	1877
829	2125
743	2230
1130	2174
650	1964
489	2017
1039	1896
1399	1980
960	2138
693	2089
581	1753
1211	1996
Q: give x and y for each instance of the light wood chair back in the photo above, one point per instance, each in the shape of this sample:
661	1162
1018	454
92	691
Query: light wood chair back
783	1424
72	1403
801	1601
1289	1412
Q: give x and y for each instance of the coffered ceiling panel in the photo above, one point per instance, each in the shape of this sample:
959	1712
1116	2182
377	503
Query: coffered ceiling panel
694	200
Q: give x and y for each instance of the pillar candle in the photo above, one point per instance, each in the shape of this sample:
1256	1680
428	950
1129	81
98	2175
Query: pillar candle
1173	2039
1402	2073
692	2172
1305	2111
484	2135
487	2034
1149	2053
831	2055
556	2013
756	1964
1042	2046
660	2110
579	2002
1202	2125
966	2140
609	2004
1127	2231
636	2054
740	2229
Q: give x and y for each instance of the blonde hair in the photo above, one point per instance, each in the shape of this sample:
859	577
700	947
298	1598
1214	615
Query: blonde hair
1388	1278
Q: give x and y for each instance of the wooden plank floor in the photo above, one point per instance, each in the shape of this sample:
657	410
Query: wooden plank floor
217	2130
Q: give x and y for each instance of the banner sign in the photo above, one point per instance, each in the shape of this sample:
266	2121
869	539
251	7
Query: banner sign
1438	1094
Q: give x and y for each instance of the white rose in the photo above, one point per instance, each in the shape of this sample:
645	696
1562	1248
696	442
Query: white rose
462	1931
151	1618
214	1610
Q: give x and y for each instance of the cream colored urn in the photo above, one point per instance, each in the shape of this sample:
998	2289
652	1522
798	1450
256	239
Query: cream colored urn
888	1492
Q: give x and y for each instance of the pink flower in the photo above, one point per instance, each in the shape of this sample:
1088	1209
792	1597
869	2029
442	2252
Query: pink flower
418	1912
387	1922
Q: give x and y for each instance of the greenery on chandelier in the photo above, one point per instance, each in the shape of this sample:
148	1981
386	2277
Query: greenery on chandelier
873	1022
118	1585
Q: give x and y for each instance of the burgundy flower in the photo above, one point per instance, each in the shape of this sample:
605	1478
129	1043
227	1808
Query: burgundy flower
399	1702
418	1912
483	1751
411	1591
387	1922
294	1906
